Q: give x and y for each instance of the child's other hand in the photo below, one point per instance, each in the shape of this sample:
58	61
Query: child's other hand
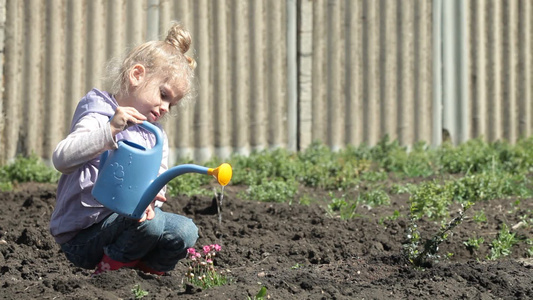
149	213
124	117
160	197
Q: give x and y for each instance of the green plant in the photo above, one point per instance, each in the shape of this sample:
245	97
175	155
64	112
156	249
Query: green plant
422	256
395	216
138	292
488	186
306	200
296	266
374	176
260	295
402	189
430	199
416	162
341	207
529	250
201	269
473	244
527	219
501	246
6	186
28	169
373	198
272	191
480	217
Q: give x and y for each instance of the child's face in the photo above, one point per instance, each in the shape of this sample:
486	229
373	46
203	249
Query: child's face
154	98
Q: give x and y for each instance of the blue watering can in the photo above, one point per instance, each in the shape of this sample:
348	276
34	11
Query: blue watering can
128	178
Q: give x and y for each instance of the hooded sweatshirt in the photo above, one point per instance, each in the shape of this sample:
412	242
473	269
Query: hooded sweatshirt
78	157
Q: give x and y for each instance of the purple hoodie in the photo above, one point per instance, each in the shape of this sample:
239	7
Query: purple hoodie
76	208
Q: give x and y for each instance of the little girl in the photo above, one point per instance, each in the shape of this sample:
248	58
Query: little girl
153	78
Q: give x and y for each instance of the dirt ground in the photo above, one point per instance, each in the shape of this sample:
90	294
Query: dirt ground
295	251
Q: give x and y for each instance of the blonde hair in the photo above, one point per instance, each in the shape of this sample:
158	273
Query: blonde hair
164	60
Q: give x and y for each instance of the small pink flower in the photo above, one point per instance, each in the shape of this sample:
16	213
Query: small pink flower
105	266
217	247
198	255
209	261
191	251
207	249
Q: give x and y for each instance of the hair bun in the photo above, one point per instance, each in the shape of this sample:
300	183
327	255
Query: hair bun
179	37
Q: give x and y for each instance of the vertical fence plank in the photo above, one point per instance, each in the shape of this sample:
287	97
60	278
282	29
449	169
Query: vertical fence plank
13	76
291	71
96	28
389	68
54	76
511	114
240	78
422	78
165	17
318	77
525	78
371	65
116	30
463	107
135	29
220	87
276	87
202	119
183	132
479	57
74	73
334	95
495	85
33	75
3	24
354	74
257	90
305	84
406	81
152	20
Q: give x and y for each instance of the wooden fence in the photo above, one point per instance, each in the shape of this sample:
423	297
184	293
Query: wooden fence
275	73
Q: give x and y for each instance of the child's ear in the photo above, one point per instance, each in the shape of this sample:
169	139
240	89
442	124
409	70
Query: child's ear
137	74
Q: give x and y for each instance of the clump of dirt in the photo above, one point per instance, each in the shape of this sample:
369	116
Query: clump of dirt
295	251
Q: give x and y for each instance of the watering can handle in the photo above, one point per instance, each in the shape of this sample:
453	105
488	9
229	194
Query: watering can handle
155	130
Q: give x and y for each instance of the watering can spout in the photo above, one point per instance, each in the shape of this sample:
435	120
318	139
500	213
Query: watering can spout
223	173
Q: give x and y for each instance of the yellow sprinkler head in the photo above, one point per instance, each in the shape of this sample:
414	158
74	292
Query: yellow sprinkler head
223	173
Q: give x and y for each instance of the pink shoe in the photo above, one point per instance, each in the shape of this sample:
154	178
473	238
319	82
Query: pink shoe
146	269
109	264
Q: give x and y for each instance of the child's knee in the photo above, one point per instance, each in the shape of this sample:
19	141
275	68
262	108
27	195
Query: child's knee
152	228
183	234
190	233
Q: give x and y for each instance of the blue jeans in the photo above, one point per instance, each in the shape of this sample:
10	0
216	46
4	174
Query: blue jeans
160	243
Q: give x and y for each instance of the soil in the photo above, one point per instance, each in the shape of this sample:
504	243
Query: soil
295	251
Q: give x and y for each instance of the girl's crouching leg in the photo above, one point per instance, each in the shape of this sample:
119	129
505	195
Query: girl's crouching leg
137	240
180	233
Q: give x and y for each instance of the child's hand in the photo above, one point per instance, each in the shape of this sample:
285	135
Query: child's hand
149	213
124	117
